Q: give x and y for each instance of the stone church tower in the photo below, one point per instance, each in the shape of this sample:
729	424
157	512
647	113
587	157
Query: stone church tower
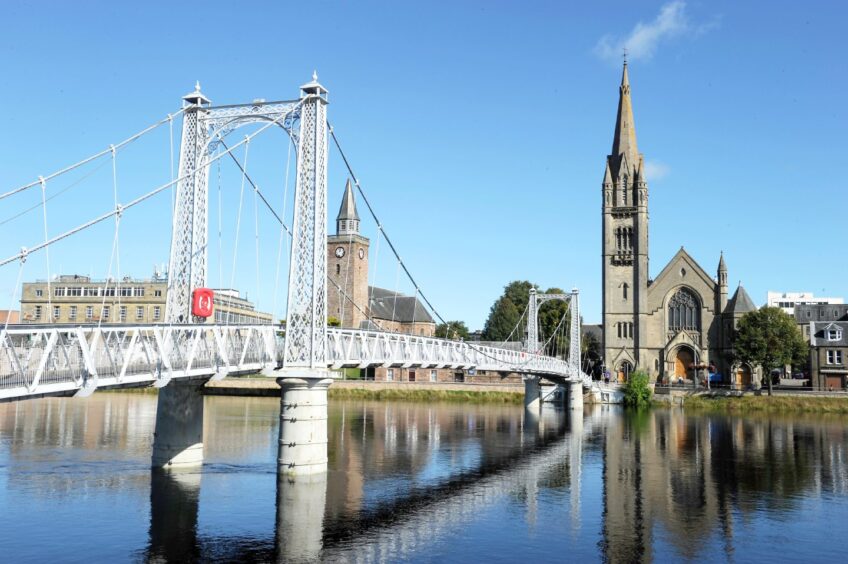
347	266
625	243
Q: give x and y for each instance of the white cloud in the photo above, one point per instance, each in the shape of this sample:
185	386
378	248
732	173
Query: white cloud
643	40
655	170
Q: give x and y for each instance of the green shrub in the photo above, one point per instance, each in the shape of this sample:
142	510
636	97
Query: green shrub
637	391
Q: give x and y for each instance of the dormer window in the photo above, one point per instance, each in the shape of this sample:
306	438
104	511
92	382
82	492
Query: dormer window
834	334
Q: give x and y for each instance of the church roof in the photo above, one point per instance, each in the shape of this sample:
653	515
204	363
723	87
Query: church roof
388	305
348	207
740	303
686	258
624	140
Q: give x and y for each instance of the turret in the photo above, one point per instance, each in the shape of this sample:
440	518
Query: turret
722	282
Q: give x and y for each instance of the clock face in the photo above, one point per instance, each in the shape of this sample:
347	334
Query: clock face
362	253
340	252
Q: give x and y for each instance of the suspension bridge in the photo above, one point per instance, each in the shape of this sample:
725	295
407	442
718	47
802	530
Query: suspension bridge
184	351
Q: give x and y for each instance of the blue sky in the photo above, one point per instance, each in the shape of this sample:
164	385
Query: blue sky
478	129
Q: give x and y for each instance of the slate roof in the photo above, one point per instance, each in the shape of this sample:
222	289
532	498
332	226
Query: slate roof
740	303
348	207
818	333
386	304
804	313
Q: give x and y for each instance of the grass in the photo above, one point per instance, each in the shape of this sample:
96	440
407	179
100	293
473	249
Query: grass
765	404
428	395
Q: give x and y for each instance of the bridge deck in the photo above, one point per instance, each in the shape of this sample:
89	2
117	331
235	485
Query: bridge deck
58	359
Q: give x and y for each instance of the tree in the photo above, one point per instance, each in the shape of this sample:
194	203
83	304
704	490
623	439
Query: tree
452	330
509	307
333	321
637	391
590	350
769	338
502	319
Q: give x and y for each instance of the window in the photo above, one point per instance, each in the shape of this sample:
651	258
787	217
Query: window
109	292
56	311
126	292
74	292
73	313
139	312
59	292
624	290
39	293
390	374
834	356
157	311
834	334
433	376
89	313
684	311
139	292
104	315
37	314
338	269
123	314
411	377
157	293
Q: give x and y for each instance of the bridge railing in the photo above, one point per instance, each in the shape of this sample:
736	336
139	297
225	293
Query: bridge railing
60	358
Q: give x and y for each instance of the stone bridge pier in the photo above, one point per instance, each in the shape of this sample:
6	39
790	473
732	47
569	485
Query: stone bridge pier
303	422
178	437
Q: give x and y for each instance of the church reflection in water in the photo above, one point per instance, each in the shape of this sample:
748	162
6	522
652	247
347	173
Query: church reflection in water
404	475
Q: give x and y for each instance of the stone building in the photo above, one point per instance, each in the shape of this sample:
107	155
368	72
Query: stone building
806	313
829	355
682	317
350	299
72	298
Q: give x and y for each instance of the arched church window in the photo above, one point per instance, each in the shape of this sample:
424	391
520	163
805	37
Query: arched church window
338	269
684	311
624	290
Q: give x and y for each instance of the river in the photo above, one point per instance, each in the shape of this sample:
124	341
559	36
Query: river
420	482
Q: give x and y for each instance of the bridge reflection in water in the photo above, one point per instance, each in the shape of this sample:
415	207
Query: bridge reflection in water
413	481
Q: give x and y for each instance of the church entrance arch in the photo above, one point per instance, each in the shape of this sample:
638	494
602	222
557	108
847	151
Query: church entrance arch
743	376
624	370
684	358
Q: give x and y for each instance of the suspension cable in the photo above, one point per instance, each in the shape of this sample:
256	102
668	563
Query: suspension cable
138	200
86	160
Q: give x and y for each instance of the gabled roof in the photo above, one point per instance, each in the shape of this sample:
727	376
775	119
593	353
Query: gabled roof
740	303
389	305
682	255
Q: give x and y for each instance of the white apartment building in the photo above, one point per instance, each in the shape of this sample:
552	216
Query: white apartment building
788	300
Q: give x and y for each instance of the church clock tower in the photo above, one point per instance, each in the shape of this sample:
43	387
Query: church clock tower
625	245
347	266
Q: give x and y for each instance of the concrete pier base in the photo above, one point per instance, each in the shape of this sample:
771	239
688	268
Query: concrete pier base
174	497
532	393
575	396
301	502
178	438
303	423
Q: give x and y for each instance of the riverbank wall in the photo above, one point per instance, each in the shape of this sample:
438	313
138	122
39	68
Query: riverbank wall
365	389
755	401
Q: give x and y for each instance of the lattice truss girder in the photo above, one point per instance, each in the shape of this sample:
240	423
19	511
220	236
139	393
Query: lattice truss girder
60	359
203	130
306	315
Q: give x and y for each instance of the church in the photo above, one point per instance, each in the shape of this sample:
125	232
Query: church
350	299
682	318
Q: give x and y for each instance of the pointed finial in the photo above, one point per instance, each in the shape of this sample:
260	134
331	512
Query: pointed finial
315	75
197	86
624	55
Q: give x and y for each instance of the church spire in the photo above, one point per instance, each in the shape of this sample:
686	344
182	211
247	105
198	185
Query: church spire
624	141
347	222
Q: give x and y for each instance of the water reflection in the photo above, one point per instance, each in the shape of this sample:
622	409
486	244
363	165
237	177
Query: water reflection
406	480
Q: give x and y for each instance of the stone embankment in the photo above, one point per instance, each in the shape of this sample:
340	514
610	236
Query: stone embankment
362	389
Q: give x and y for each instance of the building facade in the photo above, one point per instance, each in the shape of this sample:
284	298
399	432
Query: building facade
72	299
682	318
788	300
350	299
829	355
